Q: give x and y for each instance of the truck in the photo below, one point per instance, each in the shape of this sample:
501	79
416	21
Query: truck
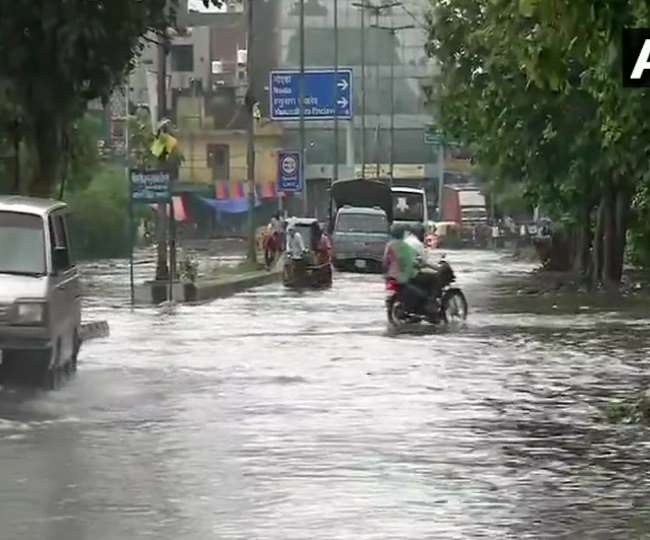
465	206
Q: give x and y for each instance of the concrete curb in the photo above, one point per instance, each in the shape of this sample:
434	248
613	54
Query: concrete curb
94	330
206	290
213	289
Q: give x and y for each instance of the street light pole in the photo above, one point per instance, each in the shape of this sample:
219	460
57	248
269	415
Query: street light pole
363	93
393	32
335	175
378	127
303	154
376	9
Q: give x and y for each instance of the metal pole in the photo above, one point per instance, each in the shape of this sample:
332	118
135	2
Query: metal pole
127	153
172	231
393	32
377	97
302	106
162	269
336	111
392	107
377	9
250	153
441	176
363	93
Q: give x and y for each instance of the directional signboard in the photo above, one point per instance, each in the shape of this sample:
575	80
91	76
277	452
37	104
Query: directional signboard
432	139
328	94
289	171
150	186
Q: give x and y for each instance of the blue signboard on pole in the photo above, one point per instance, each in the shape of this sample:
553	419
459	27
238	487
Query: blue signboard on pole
289	171
328	94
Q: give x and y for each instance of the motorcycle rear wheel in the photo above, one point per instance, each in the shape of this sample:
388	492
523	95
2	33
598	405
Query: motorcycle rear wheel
395	312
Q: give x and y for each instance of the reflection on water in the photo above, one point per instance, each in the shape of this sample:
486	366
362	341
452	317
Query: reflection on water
280	416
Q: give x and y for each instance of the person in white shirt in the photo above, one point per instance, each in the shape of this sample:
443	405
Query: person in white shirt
296	252
426	278
296	244
413	241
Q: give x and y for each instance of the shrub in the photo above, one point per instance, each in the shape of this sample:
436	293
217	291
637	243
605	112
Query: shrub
99	224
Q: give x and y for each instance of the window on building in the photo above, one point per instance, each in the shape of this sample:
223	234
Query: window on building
218	161
182	58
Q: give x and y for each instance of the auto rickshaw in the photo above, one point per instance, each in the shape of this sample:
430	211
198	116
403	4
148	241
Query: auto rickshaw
314	270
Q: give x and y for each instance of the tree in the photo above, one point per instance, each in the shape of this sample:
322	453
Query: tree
590	33
58	55
533	85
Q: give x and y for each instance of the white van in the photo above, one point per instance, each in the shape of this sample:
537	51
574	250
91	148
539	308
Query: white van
40	291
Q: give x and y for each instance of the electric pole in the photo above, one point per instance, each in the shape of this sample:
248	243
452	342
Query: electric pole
363	87
393	31
303	153
335	175
162	269
376	10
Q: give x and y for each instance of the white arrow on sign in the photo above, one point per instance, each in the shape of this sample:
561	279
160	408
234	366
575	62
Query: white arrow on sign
342	102
343	84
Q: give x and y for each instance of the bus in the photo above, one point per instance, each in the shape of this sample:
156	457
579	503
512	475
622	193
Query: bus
410	209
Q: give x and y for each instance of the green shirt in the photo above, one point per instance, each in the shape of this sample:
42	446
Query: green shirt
403	256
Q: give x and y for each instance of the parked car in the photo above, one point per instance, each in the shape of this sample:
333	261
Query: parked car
40	291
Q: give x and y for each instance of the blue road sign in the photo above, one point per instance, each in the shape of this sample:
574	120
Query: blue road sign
289	171
327	94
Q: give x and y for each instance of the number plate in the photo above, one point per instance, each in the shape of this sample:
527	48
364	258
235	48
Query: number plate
360	263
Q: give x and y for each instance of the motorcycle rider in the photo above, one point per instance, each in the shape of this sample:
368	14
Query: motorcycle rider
399	257
405	261
426	278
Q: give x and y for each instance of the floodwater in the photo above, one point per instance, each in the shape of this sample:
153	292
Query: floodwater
277	415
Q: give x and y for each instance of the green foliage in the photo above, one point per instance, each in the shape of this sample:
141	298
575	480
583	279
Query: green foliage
534	86
55	56
140	139
83	154
99	224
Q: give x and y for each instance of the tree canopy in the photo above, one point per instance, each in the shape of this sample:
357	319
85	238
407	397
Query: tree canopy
58	55
534	86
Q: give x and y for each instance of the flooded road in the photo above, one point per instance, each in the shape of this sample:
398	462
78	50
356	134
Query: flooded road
277	415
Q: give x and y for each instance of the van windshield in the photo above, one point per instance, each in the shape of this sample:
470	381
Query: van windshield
408	206
22	244
362	223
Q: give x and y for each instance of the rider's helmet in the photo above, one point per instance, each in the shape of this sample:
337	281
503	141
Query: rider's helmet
396	232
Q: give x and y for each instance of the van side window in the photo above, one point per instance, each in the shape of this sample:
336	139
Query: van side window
59	235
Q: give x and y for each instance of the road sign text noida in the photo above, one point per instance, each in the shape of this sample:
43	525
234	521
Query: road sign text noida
327	94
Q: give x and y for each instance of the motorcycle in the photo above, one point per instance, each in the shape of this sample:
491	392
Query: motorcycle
411	304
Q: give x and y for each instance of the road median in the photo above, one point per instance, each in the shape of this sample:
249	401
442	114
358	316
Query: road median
210	287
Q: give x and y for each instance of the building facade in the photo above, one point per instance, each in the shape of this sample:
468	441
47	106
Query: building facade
413	73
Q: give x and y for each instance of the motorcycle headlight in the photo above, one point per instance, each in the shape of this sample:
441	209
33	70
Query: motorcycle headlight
29	313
